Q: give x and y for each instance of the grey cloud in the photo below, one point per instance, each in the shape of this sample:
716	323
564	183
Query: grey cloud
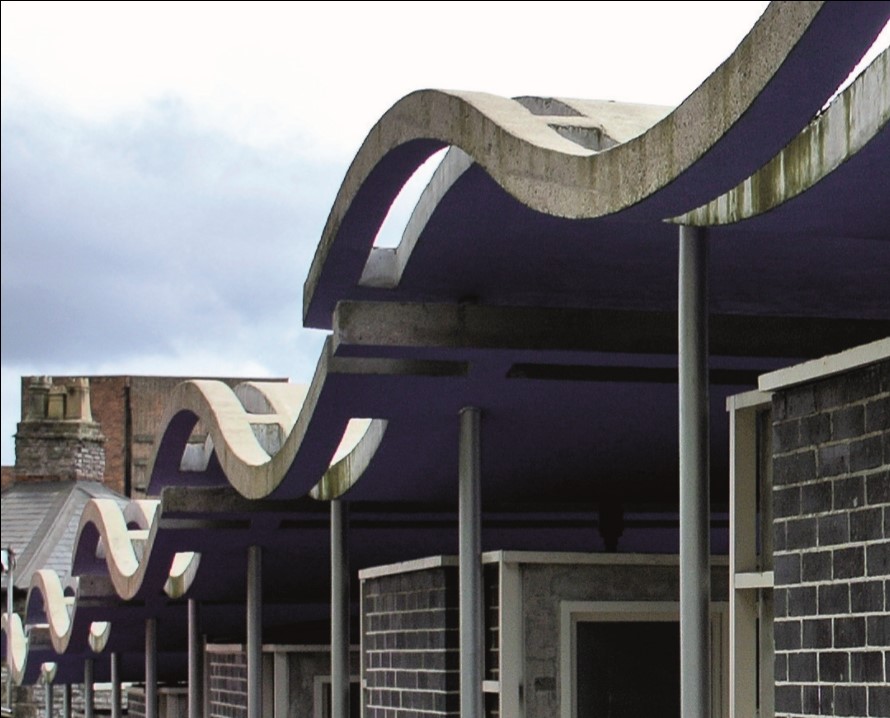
149	234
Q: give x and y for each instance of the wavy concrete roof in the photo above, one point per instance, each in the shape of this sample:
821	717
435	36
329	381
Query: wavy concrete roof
746	111
537	280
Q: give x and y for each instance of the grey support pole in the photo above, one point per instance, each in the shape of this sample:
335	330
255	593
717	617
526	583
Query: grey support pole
196	667
88	699
48	699
66	701
9	569
151	668
339	610
695	583
470	559
254	632
116	702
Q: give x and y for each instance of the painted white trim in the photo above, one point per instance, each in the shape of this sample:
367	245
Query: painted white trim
748	400
534	557
511	635
826	366
420	564
750	585
574	612
753	580
604	559
224	648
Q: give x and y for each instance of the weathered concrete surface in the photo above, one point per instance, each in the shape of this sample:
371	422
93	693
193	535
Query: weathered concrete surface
256	432
854	118
731	124
362	327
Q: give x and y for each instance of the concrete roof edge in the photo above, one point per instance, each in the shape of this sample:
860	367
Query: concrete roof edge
827	366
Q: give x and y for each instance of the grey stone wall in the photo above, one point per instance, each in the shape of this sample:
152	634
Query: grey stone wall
831	495
59	450
410	644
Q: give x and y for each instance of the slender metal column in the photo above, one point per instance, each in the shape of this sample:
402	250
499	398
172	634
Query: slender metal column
695	583
66	701
254	632
339	610
88	700
151	668
9	569
48	699
470	568
116	702
196	668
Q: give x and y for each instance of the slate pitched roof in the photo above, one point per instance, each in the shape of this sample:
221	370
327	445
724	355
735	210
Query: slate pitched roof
40	521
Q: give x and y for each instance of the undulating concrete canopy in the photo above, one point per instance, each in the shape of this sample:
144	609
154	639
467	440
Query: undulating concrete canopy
536	280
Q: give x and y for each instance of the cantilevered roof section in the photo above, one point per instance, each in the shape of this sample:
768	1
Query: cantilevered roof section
537	218
537	279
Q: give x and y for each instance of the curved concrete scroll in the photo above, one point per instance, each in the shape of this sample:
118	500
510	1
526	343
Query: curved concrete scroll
253	459
734	122
17	653
48	603
100	632
105	543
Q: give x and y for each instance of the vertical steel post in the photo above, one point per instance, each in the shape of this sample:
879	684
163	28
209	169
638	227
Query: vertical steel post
9	559
254	632
48	699
470	563
151	668
339	610
195	661
116	702
695	583
66	701
88	700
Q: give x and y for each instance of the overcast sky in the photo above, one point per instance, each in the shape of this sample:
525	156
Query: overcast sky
167	168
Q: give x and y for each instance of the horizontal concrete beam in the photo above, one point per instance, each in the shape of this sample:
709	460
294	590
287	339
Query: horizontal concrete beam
360	328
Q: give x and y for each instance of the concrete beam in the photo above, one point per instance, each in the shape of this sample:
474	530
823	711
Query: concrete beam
397	328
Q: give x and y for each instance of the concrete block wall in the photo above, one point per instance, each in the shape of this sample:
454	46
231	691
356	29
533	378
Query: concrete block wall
410	644
831	496
228	683
545	586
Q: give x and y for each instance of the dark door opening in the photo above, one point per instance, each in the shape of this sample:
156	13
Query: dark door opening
628	669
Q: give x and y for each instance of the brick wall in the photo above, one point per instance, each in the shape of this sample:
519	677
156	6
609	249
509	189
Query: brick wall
410	644
831	495
228	683
129	410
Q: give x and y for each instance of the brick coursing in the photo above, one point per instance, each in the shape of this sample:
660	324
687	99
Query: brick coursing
831	504
410	644
228	684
